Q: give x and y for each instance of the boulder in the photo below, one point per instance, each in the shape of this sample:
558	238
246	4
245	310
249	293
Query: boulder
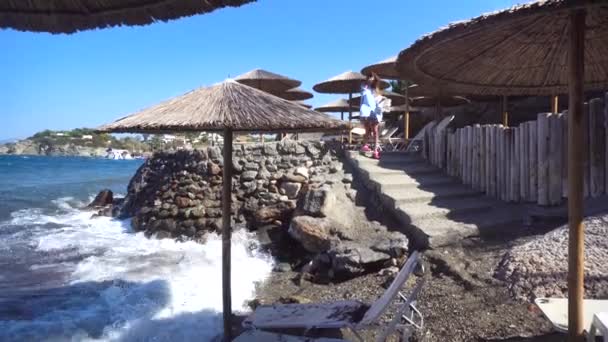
281	211
103	198
317	202
291	189
301	171
214	169
312	233
294	178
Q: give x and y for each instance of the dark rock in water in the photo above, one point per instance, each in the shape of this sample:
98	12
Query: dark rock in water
103	198
282	267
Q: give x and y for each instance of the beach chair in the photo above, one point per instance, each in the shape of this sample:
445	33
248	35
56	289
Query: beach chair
556	311
599	324
264	336
353	315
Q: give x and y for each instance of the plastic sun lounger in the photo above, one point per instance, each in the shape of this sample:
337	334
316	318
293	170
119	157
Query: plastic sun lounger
556	311
599	324
263	336
352	315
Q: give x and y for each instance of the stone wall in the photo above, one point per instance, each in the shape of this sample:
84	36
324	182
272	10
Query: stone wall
178	195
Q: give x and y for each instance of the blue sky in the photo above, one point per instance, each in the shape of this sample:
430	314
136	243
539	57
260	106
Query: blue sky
90	78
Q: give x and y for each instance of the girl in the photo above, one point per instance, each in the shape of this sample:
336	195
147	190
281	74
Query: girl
371	112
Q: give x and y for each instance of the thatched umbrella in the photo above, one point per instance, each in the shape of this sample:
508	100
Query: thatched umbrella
226	107
337	106
267	81
541	48
346	83
294	94
60	16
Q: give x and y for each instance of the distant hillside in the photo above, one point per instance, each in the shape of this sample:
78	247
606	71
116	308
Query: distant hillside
86	142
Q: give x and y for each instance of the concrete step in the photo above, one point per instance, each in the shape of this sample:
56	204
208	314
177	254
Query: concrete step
436	232
404	181
413	169
427	194
413	212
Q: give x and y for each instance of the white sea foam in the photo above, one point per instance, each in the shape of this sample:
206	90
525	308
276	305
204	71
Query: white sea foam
125	287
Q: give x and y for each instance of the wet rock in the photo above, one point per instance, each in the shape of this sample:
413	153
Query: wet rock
317	202
348	178
281	211
103	198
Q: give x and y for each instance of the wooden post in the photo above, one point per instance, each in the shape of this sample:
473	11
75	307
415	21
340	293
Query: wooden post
597	144
505	111
543	158
576	71
515	157
533	164
554	104
226	234
462	154
469	155
475	158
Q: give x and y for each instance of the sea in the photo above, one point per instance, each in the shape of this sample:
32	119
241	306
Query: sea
65	276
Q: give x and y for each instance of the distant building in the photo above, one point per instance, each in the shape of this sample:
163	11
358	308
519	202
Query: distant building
59	134
118	154
87	137
167	138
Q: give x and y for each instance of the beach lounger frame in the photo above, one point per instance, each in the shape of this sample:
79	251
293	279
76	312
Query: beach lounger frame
327	315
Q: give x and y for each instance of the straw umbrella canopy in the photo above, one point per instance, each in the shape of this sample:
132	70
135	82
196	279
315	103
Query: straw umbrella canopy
348	82
60	16
542	48
385	69
226	107
294	94
267	81
444	101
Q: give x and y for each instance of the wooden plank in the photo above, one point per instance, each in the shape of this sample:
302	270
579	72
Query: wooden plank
463	153
597	155
504	169
483	147
514	142
555	159
606	140
543	158
499	162
523	161
492	163
475	172
533	161
585	147
469	156
565	155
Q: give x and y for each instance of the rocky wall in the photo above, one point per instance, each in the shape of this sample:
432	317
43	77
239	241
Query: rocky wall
178	195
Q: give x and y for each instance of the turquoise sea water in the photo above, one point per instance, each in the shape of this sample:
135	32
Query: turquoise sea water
65	276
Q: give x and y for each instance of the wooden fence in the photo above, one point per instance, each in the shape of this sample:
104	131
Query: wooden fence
527	163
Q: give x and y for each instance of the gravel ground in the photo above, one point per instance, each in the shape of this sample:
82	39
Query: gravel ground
460	301
539	267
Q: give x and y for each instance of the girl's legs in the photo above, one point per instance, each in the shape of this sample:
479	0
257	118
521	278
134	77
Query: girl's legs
366	136
374	129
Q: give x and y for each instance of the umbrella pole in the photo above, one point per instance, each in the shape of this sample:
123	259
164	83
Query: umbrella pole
406	117
554	104
226	234
350	119
341	133
505	111
576	260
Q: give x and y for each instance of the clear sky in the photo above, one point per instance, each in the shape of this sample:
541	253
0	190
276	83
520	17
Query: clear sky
90	78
